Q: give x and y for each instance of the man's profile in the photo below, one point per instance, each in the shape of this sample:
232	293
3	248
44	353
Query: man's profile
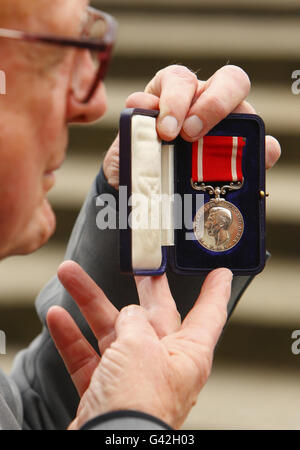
56	85
218	224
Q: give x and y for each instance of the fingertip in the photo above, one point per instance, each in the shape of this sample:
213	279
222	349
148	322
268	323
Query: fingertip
189	138
131	311
221	272
142	100
131	317
134	328
53	310
55	316
221	277
242	78
273	151
64	265
67	268
193	127
167	127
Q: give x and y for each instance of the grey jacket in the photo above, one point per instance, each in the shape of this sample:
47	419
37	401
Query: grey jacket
39	393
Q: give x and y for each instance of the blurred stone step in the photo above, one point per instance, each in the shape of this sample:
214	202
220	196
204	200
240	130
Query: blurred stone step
219	5
22	277
259	70
247	398
281	205
273	298
205	35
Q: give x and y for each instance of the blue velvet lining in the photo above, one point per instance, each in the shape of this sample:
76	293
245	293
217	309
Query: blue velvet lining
248	256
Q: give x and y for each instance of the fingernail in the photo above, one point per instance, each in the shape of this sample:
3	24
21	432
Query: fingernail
131	310
169	126
192	126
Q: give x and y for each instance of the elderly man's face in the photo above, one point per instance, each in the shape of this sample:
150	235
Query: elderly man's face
42	98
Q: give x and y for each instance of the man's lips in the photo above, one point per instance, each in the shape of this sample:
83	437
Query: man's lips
49	175
56	165
49	180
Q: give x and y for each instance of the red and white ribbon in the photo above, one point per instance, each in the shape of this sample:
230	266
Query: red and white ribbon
218	158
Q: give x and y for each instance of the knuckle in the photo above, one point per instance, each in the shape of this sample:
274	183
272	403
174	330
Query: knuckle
127	310
239	75
132	99
216	106
182	72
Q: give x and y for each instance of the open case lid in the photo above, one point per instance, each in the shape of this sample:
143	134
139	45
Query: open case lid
153	171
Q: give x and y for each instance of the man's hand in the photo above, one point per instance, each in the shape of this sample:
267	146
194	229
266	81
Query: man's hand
191	108
79	356
150	362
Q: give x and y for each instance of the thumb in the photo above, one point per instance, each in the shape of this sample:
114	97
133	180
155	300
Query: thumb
111	164
132	325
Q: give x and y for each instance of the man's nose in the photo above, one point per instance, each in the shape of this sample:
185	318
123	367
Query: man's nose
83	77
87	112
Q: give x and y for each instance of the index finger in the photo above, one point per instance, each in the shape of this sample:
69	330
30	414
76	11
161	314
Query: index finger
218	97
204	323
176	87
155	296
91	300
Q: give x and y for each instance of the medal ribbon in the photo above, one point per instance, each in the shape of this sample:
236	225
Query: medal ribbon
217	158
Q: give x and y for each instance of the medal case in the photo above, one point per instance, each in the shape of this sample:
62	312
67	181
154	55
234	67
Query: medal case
149	166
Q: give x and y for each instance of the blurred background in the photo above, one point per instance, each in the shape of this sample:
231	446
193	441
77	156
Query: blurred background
255	381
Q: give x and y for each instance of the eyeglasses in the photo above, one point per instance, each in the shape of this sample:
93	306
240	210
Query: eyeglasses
98	37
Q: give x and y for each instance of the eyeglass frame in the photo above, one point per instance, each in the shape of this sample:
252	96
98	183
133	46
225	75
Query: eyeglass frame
102	46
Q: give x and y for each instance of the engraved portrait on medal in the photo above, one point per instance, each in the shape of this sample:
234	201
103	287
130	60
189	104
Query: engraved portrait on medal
218	225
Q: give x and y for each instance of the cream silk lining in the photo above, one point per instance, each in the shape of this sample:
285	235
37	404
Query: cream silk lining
152	169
